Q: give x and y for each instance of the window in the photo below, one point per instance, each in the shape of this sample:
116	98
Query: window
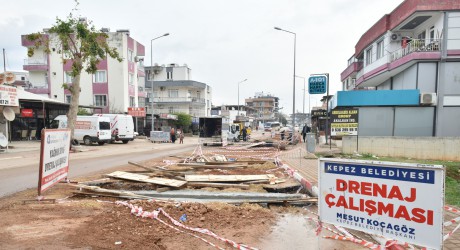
169	75
422	35
67	77
100	76
130	79
130	56
171	110
131	101
100	100
380	49
68	98
369	56
173	93
432	34
198	94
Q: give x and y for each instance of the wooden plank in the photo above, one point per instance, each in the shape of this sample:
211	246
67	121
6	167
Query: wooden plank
228	178
158	171
147	179
253	145
212	166
217	185
235	162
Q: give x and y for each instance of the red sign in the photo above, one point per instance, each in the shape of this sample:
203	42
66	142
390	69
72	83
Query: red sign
136	111
27	113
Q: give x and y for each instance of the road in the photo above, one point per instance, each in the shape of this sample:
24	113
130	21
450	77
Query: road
15	177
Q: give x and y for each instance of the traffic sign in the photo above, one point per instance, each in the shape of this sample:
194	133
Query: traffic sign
317	84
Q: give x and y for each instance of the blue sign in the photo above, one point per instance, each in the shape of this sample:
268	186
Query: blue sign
389	173
317	84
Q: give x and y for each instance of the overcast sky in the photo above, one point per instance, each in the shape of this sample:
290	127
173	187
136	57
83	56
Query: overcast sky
223	42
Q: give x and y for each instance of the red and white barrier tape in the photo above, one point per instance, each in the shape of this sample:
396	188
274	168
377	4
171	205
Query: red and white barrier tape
364	243
138	211
450	222
451	209
318	223
451	232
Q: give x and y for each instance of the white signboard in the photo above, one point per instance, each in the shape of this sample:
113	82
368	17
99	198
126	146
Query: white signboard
8	96
396	200
54	157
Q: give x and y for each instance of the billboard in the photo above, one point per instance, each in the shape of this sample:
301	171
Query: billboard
54	157
395	200
8	96
344	122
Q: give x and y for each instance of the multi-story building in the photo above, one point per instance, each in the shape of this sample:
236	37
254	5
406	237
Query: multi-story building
174	91
407	68
263	106
113	88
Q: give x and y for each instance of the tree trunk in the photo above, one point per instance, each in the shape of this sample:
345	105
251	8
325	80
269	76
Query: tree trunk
73	109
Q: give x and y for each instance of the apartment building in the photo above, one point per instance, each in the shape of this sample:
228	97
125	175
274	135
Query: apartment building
404	74
112	89
174	91
263	106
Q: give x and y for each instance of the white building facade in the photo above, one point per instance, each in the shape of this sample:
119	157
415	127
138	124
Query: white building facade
113	88
174	91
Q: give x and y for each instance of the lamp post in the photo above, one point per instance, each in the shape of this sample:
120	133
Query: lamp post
151	71
239	96
293	80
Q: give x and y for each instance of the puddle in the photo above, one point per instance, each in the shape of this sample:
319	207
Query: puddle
296	232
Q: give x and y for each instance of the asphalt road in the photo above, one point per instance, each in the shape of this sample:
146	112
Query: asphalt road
19	178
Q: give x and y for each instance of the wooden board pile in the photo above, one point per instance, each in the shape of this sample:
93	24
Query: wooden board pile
201	178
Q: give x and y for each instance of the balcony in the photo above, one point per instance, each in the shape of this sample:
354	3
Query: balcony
179	100
414	46
352	68
35	64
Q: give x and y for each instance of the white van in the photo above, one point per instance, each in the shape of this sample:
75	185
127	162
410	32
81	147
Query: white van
275	126
88	129
121	126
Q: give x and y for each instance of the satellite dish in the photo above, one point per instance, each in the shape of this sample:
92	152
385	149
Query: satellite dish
3	140
8	113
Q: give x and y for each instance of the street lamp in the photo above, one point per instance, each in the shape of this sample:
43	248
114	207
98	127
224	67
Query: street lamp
239	95
151	71
293	80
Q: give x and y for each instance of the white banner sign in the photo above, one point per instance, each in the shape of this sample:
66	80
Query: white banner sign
8	96
395	200
54	158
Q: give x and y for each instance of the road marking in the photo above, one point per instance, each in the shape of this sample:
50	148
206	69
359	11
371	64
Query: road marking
17	157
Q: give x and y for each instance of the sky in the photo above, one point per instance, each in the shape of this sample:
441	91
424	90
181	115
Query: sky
223	42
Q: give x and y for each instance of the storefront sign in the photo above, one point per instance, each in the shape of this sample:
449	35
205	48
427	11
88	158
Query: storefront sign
344	122
54	157
8	96
27	113
136	111
168	116
319	113
395	200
